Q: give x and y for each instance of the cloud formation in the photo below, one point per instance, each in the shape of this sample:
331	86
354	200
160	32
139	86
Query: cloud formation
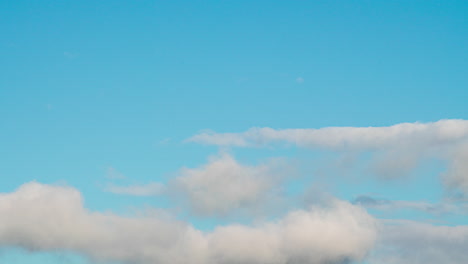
361	138
224	185
397	149
221	187
337	233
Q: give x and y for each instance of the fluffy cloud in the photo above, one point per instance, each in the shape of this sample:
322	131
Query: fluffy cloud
221	187
397	149
224	185
43	218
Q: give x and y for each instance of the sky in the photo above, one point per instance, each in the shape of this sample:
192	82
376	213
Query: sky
225	132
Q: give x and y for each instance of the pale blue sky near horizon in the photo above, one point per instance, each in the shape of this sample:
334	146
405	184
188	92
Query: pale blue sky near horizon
88	86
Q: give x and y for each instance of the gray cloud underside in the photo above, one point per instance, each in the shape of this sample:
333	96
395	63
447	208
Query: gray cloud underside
402	242
443	208
44	217
397	149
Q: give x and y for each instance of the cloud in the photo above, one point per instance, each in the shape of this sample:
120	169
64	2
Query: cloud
457	174
334	234
360	138
151	189
299	80
430	208
404	242
396	149
114	174
224	185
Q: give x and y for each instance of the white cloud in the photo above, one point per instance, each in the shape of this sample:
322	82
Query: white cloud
360	138
223	185
151	189
397	149
52	218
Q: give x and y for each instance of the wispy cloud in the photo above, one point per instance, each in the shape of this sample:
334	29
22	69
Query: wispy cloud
438	209
150	189
114	174
344	138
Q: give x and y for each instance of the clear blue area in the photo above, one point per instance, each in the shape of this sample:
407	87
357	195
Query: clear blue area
17	256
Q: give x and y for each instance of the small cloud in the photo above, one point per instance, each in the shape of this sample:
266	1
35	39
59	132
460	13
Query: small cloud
151	189
114	174
299	80
49	107
368	201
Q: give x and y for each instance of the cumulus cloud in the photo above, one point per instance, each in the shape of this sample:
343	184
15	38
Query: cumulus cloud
396	149
43	218
224	185
404	242
221	187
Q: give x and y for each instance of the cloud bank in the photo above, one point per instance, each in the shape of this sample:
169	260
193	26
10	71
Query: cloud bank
397	149
44	217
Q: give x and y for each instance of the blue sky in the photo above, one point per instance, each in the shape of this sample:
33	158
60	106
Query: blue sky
110	99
